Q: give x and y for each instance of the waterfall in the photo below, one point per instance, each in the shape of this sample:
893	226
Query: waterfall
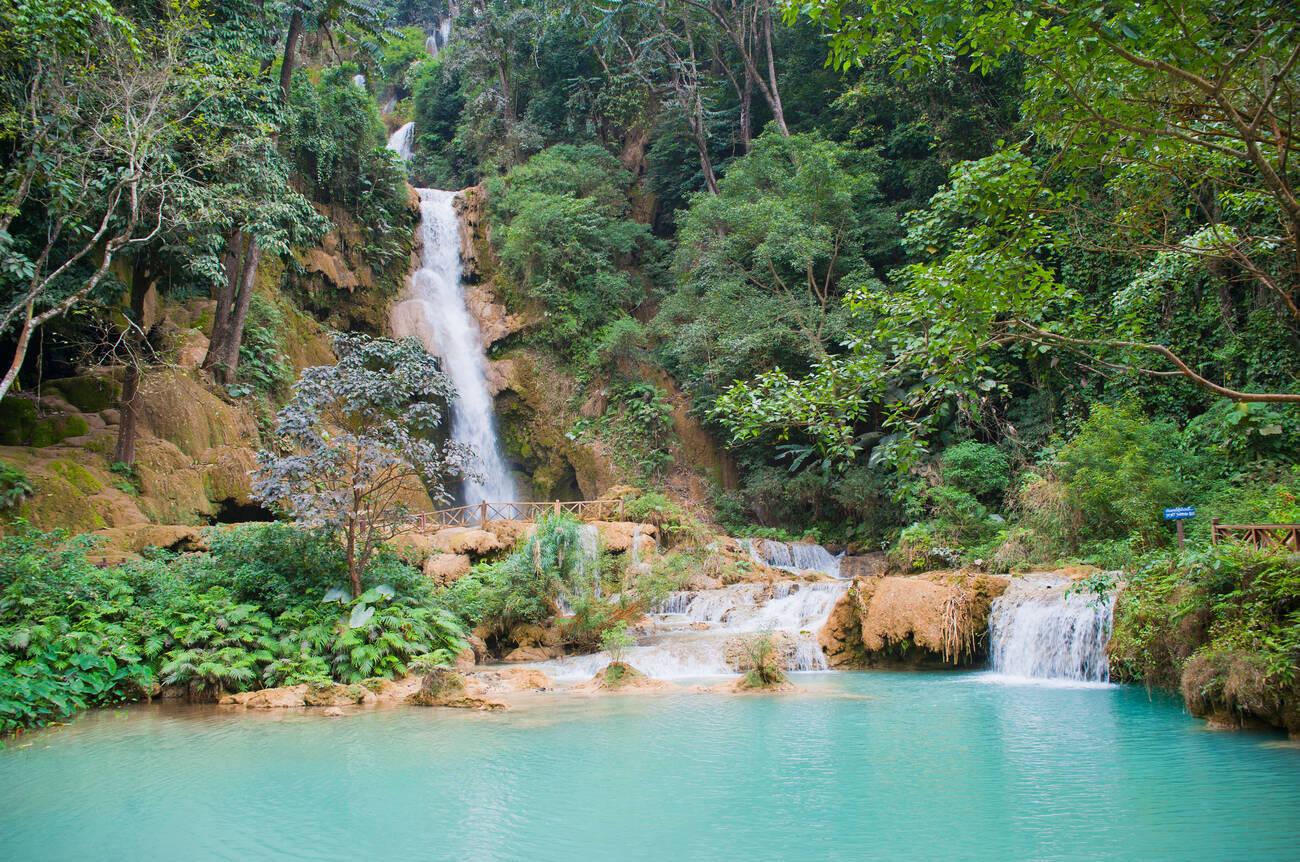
794	557
434	311
1037	630
589	543
437	40
359	80
401	140
692	629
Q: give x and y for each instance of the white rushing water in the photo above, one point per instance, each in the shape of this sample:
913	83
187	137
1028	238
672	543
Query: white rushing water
401	140
359	80
438	40
689	633
1037	631
794	556
434	311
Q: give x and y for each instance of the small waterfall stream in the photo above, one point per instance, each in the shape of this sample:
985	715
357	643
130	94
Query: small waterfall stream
1037	630
401	140
691	629
794	557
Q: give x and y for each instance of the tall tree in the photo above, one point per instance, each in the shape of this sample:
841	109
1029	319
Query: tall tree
94	111
358	440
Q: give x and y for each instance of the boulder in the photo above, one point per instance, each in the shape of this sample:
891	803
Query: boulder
444	569
532	635
336	695
135	538
448	688
269	698
507	680
531	654
466	540
621	677
616	536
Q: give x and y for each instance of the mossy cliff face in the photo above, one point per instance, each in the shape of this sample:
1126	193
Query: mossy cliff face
337	282
193	456
534	399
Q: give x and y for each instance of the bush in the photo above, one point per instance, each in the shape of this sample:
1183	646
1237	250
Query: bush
1121	470
1222	624
763	661
74	635
563	229
14	486
976	468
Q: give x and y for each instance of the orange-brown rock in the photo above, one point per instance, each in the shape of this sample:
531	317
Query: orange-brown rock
446	568
935	618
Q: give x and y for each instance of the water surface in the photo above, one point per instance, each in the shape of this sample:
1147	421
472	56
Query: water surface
864	766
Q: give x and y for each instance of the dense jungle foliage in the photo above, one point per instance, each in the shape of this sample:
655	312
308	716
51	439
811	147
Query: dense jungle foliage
973	283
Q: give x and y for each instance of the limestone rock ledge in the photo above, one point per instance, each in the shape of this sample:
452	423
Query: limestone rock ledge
934	619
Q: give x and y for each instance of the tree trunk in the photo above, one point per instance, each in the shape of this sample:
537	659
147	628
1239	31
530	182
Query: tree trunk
128	424
290	53
239	313
774	96
20	353
747	113
222	359
354	564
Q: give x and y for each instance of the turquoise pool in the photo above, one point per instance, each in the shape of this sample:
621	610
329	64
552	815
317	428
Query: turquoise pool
862	766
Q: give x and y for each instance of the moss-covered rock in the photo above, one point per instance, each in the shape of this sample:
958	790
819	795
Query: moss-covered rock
21	424
76	475
175	407
89	393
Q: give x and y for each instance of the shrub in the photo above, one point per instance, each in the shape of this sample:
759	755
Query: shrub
616	640
976	468
14	486
210	644
763	661
1121	470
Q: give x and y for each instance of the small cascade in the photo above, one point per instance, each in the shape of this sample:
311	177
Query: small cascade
359	80
438	39
589	544
692	628
402	140
434	311
794	557
1038	630
637	545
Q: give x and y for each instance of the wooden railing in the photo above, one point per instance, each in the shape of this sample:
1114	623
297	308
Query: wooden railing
479	514
1262	536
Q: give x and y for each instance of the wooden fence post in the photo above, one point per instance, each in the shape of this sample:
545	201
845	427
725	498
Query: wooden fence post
557	508
1214	531
482	515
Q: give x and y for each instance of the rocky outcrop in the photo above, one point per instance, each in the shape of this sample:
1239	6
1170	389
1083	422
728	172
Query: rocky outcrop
444	569
616	536
936	619
448	688
479	689
533	407
620	677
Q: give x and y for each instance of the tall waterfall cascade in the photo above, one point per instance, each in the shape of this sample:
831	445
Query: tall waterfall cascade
434	311
691	630
794	557
1038	630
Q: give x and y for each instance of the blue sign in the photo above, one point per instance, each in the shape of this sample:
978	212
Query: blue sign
1179	513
